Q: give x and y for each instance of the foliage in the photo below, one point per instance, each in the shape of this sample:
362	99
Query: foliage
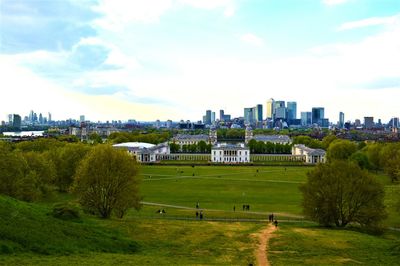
341	150
259	147
39	145
95	138
339	193
154	138
326	141
308	141
201	147
66	160
390	160
106	181
65	211
361	159
233	133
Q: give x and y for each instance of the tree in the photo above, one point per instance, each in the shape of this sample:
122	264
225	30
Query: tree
106	181
174	148
339	193
390	160
202	146
326	141
341	150
67	162
95	138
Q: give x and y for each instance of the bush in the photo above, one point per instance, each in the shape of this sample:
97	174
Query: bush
65	211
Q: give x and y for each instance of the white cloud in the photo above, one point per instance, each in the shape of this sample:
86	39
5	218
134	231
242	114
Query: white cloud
118	13
375	21
334	2
252	39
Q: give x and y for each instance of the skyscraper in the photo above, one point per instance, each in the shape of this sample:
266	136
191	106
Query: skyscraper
248	115
369	122
207	118
318	113
341	120
212	117
258	113
221	115
305	118
270	108
291	110
49	117
16	121
82	118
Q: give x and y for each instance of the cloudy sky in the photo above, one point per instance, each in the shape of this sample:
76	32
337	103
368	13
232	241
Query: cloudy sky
173	59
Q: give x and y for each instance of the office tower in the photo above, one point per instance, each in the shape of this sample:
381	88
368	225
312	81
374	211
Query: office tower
248	115
16	121
258	113
280	113
212	117
82	118
221	115
31	116
369	122
341	120
208	117
395	122
270	108
357	123
306	118
291	110
318	113
41	119
49	118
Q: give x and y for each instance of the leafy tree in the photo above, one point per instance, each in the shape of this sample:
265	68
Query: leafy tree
361	159
174	148
95	138
67	162
202	146
107	181
390	160
339	193
341	150
373	153
13	168
326	141
39	145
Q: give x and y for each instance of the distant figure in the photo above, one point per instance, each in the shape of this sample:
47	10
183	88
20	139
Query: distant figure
272	217
234	208
159	211
163	211
244	206
197	214
197	205
201	215
269	218
276	224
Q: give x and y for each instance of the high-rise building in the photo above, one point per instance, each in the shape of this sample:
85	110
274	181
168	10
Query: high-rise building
341	120
16	121
248	115
258	113
212	117
49	118
41	119
280	113
82	118
318	113
369	122
221	115
291	110
306	118
207	118
395	122
270	108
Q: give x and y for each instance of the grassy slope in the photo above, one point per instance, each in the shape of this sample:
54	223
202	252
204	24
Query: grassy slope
301	245
28	227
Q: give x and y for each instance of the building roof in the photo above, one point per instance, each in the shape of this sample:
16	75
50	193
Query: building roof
310	151
272	138
229	147
191	137
132	145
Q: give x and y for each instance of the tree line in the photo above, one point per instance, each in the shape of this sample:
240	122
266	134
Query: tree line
259	147
343	191
104	179
200	147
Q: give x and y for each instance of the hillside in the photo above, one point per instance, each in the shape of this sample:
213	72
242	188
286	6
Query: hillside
26	227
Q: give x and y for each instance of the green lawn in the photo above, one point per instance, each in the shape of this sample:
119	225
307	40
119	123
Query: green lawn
311	245
29	235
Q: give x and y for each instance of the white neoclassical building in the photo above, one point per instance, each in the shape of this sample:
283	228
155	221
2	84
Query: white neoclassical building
312	156
230	153
144	152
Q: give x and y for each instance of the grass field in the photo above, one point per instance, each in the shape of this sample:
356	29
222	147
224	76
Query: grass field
176	238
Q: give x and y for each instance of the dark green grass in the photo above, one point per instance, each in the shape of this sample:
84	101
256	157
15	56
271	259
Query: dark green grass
311	245
28	227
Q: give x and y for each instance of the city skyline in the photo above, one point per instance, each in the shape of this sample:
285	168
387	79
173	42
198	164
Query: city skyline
175	59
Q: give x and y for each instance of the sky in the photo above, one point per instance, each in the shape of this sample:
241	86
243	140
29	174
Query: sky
174	59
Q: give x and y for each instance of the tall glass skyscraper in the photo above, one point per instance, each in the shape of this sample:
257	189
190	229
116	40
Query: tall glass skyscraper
270	108
318	113
291	110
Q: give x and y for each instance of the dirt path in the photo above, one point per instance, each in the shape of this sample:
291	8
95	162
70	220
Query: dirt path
262	251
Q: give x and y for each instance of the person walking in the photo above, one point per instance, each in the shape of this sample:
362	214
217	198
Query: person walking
276	223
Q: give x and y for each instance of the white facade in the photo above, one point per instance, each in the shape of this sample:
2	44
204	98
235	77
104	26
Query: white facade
230	154
144	152
313	156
